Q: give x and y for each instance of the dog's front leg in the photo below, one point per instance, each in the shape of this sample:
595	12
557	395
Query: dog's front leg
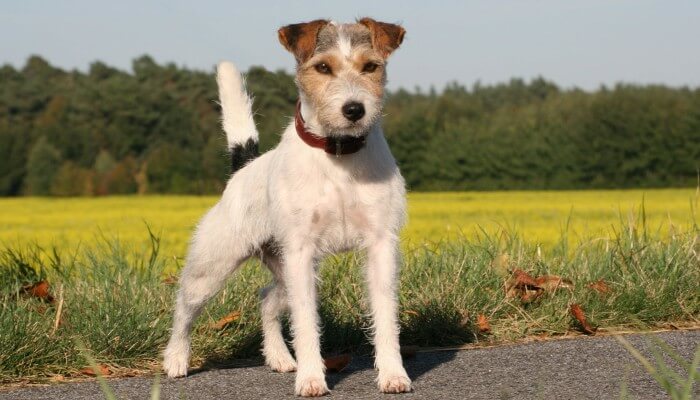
382	271
300	280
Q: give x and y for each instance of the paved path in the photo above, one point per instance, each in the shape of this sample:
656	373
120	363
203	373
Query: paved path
583	368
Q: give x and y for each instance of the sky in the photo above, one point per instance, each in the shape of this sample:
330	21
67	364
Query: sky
581	43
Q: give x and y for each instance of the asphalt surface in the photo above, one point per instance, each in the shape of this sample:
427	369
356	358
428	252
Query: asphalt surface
582	368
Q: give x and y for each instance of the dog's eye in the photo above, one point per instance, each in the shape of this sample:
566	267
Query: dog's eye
323	68
370	67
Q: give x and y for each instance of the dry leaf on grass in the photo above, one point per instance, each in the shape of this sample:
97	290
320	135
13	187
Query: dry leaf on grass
519	283
337	363
522	285
411	312
580	317
483	323
39	290
553	282
89	371
528	296
170	280
600	286
520	278
223	322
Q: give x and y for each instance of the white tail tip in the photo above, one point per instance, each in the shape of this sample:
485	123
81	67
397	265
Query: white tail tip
235	105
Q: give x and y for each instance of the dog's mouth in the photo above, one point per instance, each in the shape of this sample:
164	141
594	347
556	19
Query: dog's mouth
357	128
352	129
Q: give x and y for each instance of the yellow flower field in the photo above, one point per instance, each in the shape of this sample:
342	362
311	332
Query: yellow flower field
539	216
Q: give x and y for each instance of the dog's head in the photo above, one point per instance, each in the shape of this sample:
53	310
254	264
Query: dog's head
341	70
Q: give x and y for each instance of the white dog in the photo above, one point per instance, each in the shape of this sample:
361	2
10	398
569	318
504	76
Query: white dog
331	185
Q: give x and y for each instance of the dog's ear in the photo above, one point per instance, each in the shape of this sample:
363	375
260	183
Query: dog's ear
385	37
300	39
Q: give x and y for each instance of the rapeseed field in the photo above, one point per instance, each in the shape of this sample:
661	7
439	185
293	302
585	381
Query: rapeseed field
539	217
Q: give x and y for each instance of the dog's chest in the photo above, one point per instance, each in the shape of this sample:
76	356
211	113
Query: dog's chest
344	215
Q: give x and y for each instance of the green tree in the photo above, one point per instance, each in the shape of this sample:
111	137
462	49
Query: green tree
43	162
72	180
156	128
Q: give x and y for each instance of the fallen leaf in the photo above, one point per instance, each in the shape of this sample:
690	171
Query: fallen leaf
522	278
483	323
600	286
337	363
523	285
551	283
39	290
223	322
528	296
90	371
578	314
518	283
170	280
411	312
409	351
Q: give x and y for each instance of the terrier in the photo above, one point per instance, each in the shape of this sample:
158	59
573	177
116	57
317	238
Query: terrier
331	185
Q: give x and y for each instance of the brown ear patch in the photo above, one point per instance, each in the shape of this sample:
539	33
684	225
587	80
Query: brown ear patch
300	39
385	37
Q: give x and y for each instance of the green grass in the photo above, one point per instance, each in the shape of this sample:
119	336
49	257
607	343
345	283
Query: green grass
678	385
116	303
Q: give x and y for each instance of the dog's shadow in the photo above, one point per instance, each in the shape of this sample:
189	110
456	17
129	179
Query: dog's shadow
245	355
416	365
432	327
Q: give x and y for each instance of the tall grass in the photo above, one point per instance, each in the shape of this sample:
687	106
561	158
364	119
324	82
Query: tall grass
117	302
678	385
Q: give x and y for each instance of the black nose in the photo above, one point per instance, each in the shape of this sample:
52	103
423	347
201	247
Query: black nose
353	111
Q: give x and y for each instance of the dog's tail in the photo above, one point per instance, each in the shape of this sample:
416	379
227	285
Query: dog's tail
237	116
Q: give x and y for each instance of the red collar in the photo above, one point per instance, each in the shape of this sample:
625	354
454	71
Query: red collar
332	145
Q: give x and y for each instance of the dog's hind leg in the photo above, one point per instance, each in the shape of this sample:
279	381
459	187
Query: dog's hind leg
215	252
273	304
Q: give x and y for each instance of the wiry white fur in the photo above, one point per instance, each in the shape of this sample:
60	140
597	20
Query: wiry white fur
310	204
235	106
344	44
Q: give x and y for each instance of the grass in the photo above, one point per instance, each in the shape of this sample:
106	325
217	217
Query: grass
539	216
677	385
114	298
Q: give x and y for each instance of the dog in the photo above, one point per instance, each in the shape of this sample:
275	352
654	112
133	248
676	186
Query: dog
331	185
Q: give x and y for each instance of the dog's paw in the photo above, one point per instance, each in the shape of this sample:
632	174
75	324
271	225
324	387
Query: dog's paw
175	363
281	363
399	383
311	387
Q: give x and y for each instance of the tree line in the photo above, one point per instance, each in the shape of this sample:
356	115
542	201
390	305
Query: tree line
156	129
